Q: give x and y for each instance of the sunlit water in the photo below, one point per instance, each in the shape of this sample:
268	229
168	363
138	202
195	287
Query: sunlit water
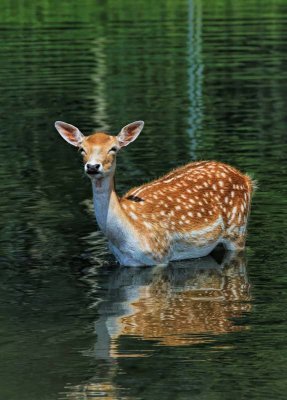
210	81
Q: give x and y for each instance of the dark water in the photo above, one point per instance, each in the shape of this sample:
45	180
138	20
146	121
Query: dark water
210	81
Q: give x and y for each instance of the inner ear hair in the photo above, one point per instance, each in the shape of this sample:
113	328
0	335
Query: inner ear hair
70	133
129	133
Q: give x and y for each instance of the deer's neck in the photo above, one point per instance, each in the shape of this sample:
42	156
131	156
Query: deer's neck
109	214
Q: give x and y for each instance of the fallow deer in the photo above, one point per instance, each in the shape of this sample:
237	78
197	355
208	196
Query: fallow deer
185	214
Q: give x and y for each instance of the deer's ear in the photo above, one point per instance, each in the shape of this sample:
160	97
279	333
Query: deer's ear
70	133
130	132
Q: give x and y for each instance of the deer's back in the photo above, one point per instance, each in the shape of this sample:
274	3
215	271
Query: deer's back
191	196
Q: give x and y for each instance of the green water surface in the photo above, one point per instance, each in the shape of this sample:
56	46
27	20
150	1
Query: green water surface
209	78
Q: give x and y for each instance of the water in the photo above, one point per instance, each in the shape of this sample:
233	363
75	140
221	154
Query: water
209	79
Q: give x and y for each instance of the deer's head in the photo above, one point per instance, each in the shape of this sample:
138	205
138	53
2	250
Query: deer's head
99	150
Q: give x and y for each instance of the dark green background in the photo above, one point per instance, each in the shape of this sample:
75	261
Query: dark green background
209	78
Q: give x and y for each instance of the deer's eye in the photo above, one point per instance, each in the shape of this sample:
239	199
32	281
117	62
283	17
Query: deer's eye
113	149
82	151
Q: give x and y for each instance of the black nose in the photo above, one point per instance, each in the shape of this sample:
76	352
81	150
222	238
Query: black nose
93	168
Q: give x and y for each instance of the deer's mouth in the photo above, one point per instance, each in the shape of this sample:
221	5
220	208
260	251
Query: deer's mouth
94	174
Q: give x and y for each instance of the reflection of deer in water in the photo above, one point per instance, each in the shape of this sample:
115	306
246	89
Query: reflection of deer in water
177	305
183	304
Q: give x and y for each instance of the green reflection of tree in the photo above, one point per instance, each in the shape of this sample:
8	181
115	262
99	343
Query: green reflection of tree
243	78
45	75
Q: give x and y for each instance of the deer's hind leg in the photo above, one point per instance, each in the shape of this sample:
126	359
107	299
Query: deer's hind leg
235	234
235	238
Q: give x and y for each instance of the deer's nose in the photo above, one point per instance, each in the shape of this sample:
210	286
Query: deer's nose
92	168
